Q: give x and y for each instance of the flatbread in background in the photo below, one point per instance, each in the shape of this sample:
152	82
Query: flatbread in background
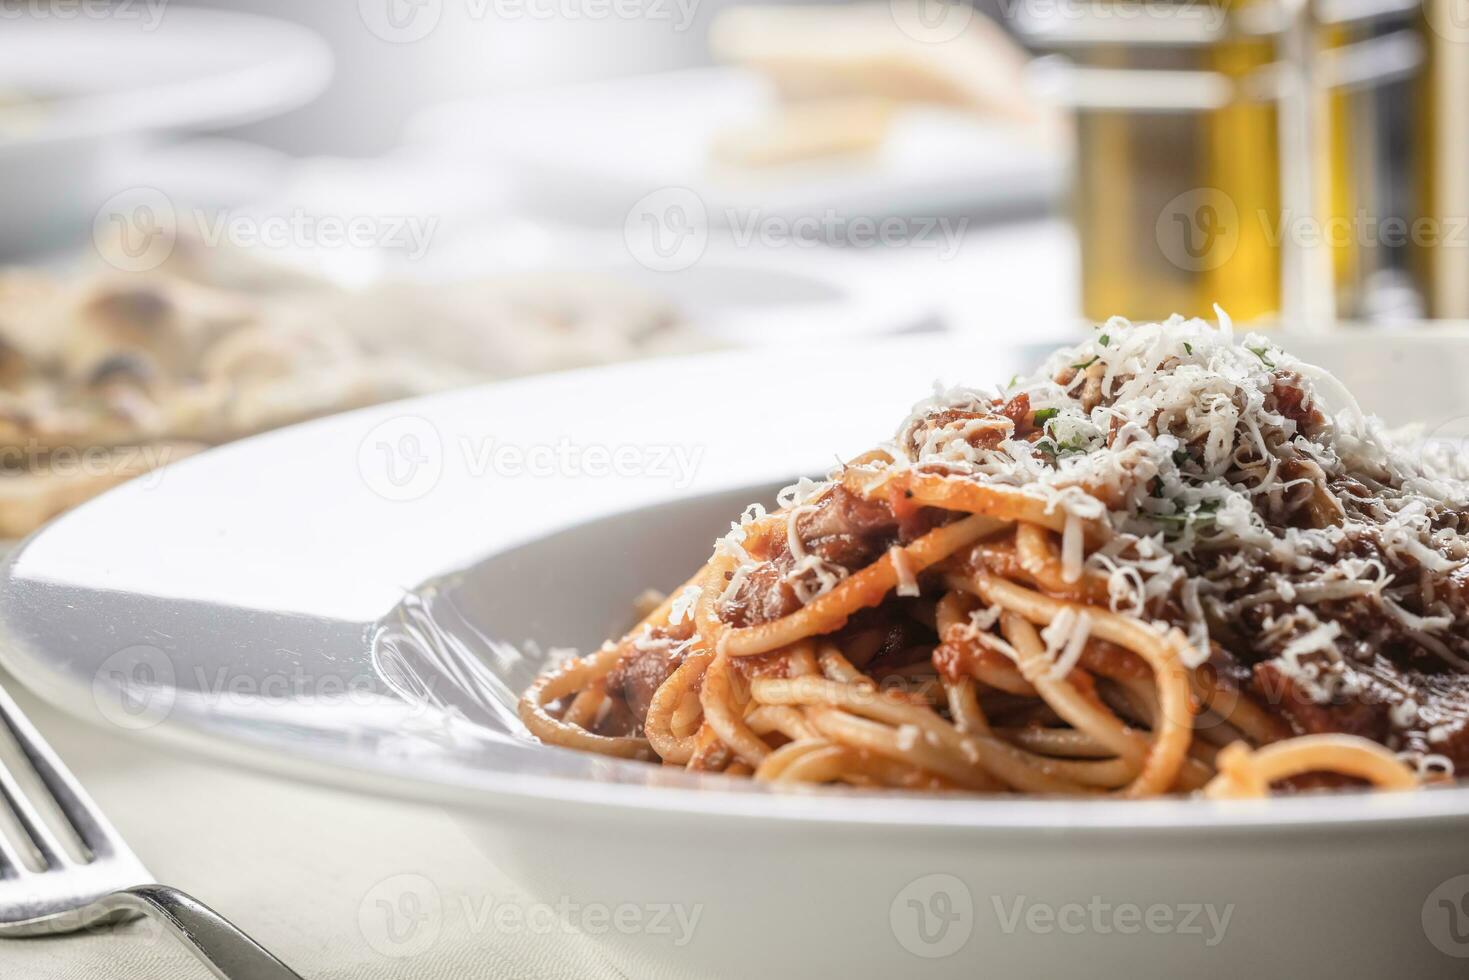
880	50
843	72
215	345
810	130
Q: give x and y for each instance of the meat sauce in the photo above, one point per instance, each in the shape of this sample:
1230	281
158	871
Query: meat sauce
1384	669
843	529
648	660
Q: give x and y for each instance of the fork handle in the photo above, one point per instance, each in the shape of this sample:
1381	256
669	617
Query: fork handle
228	952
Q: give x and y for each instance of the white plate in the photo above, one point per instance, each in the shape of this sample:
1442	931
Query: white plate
741	297
594	149
265	603
92	81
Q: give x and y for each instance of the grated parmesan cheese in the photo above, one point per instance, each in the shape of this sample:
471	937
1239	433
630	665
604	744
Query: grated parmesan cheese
907	581
1065	638
1244	493
683	604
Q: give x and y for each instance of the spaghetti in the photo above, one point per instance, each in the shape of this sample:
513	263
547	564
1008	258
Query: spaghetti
1162	564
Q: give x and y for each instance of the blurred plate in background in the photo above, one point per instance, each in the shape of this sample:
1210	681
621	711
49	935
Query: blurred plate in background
593	150
75	93
731	295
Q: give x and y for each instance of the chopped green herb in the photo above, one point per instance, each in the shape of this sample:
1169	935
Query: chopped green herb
1188	347
1056	448
1087	363
1201	514
1180	456
1045	415
1013	378
1260	353
1104	340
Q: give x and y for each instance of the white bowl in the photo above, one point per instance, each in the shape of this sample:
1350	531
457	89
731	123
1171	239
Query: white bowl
267	603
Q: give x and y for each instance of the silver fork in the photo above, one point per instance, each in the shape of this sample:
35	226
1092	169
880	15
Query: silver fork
110	884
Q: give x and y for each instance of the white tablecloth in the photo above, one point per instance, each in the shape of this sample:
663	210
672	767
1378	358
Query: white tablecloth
330	882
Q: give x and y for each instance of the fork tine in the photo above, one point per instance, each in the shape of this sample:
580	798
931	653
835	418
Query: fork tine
73	898
12	864
53	852
96	834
